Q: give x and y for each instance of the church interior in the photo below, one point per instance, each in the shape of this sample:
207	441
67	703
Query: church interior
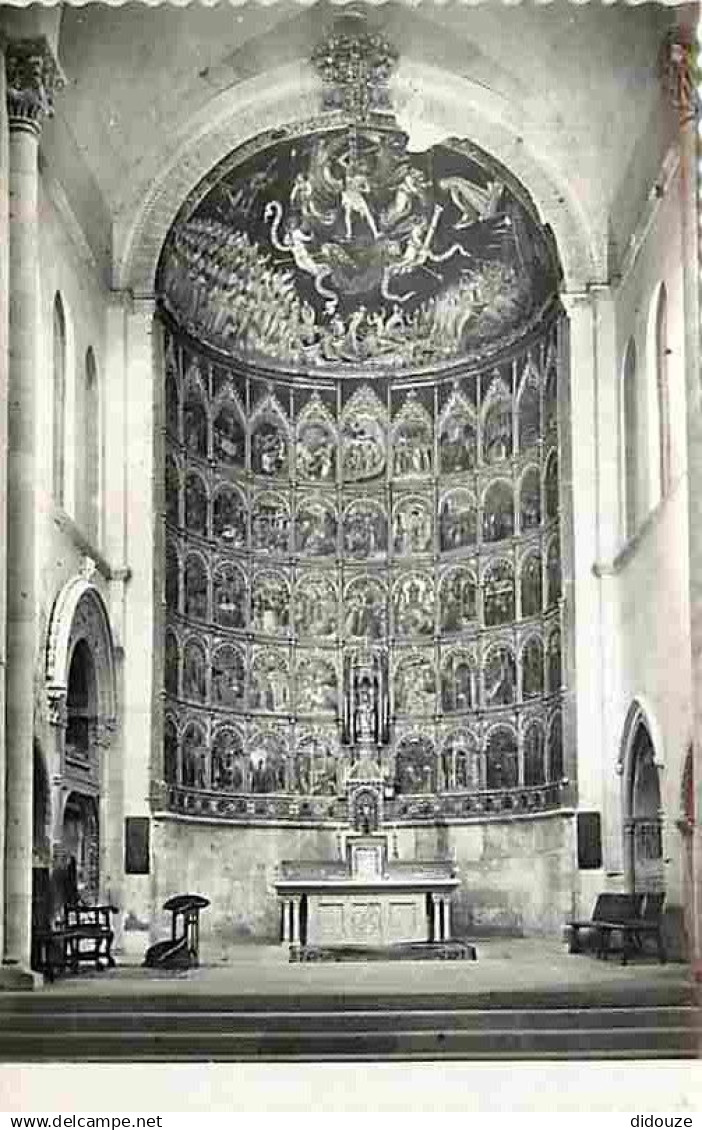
351	441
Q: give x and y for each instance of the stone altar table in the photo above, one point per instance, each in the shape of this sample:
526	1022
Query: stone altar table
365	899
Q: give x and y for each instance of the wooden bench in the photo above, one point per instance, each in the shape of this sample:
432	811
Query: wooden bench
609	908
646	923
84	935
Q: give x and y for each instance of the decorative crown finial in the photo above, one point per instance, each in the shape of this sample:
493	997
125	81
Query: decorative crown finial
355	65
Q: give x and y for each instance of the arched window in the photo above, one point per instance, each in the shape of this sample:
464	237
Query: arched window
631	448
58	475
91	431
662	391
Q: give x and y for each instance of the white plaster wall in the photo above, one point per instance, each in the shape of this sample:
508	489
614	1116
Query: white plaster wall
651	575
67	266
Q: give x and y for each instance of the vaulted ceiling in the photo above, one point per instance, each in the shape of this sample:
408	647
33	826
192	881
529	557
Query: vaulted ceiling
579	86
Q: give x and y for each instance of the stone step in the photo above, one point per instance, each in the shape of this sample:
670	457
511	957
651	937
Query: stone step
193	1045
102	1032
350	1019
88	993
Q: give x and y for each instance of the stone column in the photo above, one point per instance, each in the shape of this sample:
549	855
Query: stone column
295	925
446	907
582	728
31	75
435	921
609	527
142	894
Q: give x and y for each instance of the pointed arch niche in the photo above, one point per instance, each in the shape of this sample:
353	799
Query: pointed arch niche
642	804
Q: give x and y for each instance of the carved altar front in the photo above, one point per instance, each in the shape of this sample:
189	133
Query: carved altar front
365	898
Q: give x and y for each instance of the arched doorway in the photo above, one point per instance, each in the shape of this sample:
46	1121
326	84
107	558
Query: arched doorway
80	846
642	809
81	689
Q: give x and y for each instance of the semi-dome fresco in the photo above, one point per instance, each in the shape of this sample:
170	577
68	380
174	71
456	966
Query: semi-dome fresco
335	247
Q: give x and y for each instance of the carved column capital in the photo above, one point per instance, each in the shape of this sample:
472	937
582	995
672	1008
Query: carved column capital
58	709
33	75
105	729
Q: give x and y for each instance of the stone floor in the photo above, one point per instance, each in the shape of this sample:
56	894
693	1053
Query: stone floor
509	973
503	965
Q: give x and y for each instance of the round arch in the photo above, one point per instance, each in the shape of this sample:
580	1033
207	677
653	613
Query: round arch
79	614
450	106
82	696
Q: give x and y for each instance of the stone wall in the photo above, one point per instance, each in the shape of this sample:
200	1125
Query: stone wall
517	876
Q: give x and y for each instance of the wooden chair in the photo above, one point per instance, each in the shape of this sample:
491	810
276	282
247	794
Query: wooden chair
89	934
84	934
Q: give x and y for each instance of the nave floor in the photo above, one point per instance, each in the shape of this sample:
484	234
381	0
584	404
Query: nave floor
522	999
504	966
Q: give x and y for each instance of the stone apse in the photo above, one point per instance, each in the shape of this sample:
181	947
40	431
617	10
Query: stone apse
363	389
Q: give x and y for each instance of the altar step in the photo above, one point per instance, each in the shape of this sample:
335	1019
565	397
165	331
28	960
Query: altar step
41	1026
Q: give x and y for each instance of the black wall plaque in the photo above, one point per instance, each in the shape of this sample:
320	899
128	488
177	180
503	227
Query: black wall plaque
589	841
136	845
